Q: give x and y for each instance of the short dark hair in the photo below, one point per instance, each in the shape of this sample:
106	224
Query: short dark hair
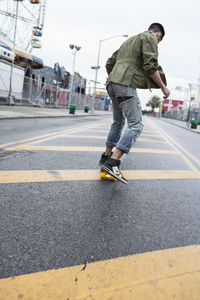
157	27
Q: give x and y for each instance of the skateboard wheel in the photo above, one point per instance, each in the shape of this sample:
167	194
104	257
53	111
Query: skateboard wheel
103	175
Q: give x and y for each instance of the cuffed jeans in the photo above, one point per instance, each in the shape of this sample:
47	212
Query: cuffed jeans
126	105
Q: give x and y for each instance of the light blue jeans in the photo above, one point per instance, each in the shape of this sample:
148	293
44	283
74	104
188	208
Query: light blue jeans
126	105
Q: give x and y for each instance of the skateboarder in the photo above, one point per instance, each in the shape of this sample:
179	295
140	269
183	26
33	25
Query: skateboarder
134	65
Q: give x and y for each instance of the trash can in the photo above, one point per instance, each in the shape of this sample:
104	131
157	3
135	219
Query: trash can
194	124
86	109
72	109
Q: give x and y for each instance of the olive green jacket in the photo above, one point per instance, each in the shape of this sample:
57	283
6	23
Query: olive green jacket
135	61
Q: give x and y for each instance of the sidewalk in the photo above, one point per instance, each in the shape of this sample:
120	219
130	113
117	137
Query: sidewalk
181	124
23	112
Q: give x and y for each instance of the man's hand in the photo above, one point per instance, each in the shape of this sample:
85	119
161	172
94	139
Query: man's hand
157	79
166	92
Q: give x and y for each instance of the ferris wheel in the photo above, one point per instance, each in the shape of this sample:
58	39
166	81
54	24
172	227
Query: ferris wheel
30	15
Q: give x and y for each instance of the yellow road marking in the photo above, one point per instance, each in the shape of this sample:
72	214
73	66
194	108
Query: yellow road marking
162	275
99	137
46	135
106	131
31	139
167	138
61	134
152	135
153	151
152	141
87	149
183	149
23	176
96	130
50	136
148	131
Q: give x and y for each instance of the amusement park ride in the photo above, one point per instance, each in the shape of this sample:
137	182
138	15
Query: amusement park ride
21	30
29	17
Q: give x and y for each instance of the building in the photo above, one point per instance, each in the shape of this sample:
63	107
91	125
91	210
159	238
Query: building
169	105
58	76
79	83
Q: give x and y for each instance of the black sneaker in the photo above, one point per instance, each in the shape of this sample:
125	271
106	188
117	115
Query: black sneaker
103	159
111	166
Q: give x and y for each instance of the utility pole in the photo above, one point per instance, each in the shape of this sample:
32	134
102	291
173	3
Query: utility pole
97	67
75	48
10	100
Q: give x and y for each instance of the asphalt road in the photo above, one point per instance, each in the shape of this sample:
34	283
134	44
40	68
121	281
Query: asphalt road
62	217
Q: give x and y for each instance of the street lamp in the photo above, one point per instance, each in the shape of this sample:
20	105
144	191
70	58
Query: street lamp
75	49
97	67
190	102
10	100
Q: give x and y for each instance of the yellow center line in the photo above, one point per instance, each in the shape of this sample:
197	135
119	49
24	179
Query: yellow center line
169	140
24	176
183	149
162	275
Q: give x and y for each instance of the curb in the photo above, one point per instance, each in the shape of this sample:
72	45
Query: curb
42	117
179	126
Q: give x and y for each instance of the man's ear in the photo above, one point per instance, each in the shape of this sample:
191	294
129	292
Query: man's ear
159	35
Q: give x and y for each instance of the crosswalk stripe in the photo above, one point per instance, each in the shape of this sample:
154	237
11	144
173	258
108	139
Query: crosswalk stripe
163	274
49	135
24	176
106	131
103	137
87	149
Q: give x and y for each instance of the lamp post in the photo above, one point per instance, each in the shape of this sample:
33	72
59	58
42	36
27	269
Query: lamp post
190	100
10	100
97	67
75	49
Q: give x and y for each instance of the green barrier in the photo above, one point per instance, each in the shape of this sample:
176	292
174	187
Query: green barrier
86	109
194	124
72	109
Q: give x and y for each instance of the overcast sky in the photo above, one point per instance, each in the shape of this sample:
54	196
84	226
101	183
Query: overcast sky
85	23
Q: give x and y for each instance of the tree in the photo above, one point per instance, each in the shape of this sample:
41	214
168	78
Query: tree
154	102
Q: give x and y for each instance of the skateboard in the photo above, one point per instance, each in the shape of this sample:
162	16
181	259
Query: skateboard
106	176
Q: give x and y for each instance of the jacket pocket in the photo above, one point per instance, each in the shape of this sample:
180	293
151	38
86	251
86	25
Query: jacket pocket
138	79
119	73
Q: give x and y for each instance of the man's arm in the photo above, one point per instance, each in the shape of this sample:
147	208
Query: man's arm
157	79
150	65
111	62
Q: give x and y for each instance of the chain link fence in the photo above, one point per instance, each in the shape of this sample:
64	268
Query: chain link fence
183	115
37	92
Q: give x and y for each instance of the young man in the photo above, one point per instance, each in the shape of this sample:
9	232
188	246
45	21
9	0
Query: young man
134	65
